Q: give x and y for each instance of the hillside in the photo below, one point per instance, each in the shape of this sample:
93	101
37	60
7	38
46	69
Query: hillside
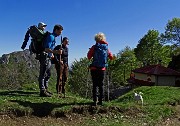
25	107
21	105
18	68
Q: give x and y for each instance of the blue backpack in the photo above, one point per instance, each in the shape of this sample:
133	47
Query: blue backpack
100	55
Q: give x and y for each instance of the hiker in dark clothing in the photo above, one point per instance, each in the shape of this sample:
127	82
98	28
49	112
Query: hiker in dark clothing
45	60
99	52
61	66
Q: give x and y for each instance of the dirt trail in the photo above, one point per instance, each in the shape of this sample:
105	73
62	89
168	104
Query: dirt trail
75	119
6	120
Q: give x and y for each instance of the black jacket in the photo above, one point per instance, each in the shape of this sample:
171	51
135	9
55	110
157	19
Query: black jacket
64	55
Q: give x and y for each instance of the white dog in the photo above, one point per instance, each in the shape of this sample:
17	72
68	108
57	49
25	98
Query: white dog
138	97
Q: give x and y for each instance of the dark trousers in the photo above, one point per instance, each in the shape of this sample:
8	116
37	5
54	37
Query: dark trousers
45	72
62	74
97	78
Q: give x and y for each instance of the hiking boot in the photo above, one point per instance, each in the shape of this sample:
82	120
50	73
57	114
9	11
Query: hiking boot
37	56
61	95
49	92
44	94
58	92
94	104
99	103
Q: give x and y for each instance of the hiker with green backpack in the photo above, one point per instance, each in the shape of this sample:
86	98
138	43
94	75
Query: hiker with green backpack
99	53
37	34
42	44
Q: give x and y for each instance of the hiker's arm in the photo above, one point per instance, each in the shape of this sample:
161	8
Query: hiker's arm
57	56
90	52
53	51
26	39
110	55
48	46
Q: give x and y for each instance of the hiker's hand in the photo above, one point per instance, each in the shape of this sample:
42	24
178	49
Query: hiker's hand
61	62
59	52
52	57
22	47
114	58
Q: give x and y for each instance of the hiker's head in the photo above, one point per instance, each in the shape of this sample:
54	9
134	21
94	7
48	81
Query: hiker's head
57	29
42	26
65	41
100	37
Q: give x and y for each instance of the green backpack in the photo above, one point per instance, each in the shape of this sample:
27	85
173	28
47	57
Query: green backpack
37	41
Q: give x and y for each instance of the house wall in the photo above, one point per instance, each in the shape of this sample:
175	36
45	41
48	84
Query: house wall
159	80
166	80
144	77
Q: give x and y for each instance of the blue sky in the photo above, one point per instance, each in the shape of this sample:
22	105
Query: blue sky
124	22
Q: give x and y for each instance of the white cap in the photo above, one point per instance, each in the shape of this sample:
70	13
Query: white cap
42	24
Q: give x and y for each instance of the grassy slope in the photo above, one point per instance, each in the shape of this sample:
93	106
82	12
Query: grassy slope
159	103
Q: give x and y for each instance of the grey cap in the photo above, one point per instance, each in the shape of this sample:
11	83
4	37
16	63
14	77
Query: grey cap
42	24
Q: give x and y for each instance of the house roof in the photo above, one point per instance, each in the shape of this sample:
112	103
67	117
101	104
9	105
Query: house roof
157	70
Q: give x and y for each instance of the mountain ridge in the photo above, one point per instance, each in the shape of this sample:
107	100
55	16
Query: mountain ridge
18	68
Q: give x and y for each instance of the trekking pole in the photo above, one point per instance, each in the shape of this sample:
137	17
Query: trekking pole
87	80
107	75
60	66
87	84
60	48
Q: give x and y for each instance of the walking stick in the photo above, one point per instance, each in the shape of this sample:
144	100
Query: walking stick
87	83
107	75
88	86
59	88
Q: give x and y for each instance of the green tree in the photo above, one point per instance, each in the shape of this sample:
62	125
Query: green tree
149	48
79	76
172	32
121	68
175	54
166	54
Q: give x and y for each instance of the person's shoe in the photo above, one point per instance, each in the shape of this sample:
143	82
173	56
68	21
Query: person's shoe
49	92
58	92
44	94
60	95
94	104
64	96
99	103
37	56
